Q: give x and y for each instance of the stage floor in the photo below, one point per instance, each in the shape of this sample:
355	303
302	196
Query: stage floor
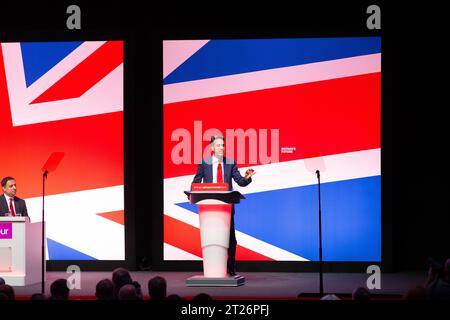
259	285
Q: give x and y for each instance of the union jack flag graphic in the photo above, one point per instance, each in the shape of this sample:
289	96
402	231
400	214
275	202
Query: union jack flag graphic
68	97
322	98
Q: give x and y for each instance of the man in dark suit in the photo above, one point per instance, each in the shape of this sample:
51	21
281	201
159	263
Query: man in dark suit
217	169
10	205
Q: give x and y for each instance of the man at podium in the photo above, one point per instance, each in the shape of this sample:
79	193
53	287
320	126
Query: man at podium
218	169
10	205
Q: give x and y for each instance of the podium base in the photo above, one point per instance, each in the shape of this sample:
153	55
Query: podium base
201	281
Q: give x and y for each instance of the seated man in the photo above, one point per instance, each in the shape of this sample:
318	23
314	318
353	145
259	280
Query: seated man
10	205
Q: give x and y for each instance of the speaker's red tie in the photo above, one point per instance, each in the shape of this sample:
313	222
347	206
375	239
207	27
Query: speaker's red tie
11	207
219	173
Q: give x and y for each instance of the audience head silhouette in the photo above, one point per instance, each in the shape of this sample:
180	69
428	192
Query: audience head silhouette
59	290
330	297
202	297
38	296
137	286
104	290
128	292
361	294
157	288
8	291
120	277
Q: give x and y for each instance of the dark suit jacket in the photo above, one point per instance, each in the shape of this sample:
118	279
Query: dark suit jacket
204	172
19	205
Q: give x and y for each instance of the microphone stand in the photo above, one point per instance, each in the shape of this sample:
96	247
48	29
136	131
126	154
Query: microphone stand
44	176
320	239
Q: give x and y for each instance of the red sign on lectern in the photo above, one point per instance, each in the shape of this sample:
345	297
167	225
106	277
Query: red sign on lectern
209	187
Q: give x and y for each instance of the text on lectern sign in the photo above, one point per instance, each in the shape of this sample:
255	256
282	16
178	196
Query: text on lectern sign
6	230
209	187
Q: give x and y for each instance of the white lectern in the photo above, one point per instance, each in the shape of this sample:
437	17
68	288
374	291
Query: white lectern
20	251
214	208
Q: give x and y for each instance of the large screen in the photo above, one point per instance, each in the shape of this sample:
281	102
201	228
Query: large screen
287	108
67	97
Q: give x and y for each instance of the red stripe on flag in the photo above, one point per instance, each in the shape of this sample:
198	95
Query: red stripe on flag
243	253
85	75
93	158
116	216
182	235
186	237
319	118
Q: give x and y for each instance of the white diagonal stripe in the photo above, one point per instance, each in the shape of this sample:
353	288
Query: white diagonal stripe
174	253
289	174
271	78
72	220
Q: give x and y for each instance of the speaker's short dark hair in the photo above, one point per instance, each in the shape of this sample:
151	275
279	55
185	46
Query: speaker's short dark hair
213	138
5	180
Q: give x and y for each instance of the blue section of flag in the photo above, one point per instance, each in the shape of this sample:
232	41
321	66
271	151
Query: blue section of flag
58	251
226	57
39	57
288	219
